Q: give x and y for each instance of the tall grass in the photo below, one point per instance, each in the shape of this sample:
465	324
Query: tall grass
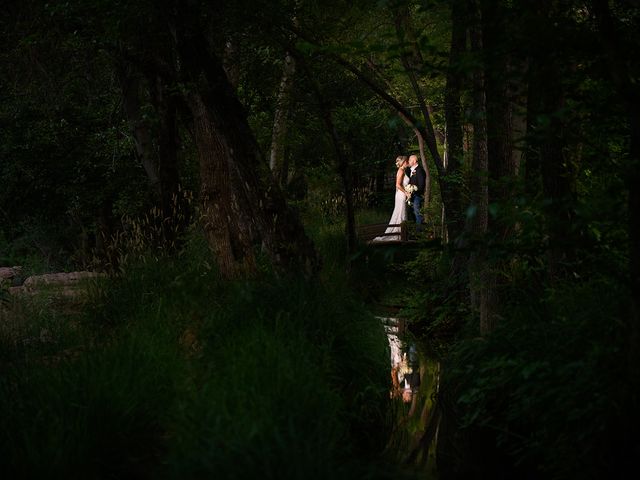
181	375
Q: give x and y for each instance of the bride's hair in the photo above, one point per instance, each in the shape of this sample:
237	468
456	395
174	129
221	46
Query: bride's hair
401	160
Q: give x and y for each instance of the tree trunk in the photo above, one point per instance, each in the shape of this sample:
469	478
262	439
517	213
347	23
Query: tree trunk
546	170
477	222
453	118
427	171
175	211
230	63
501	165
241	204
615	47
231	234
130	86
423	159
413	63
633	204
279	132
157	151
421	148
546	151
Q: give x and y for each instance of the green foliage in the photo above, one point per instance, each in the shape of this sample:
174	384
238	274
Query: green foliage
33	327
97	415
267	368
550	384
65	159
434	299
175	373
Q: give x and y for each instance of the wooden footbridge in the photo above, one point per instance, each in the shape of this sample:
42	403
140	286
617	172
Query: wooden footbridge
378	231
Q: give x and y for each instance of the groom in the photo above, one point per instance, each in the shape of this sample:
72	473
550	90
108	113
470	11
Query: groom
417	177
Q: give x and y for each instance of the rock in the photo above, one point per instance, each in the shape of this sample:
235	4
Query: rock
71	279
63	286
7	273
11	276
16	290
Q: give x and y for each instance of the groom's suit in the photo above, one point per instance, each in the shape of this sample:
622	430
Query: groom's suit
418	178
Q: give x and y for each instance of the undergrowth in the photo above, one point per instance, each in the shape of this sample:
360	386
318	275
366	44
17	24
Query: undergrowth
551	386
172	372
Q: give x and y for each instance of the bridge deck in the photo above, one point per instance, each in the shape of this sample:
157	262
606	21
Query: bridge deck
367	234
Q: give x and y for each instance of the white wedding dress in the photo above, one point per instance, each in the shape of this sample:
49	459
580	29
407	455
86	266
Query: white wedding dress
398	216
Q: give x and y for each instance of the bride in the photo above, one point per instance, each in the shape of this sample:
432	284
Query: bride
399	214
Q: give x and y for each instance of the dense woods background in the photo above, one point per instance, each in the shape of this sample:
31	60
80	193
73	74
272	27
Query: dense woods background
215	160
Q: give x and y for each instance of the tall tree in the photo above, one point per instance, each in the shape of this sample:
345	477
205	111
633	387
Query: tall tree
501	162
241	204
546	126
619	41
277	160
453	117
478	214
156	148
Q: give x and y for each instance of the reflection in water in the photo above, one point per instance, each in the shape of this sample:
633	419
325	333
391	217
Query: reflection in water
416	380
405	368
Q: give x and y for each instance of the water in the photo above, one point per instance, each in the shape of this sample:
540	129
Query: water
415	384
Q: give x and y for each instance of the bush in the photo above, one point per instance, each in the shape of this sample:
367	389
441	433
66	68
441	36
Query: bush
550	386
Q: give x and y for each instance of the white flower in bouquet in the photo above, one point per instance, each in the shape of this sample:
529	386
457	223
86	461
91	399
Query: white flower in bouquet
410	189
404	368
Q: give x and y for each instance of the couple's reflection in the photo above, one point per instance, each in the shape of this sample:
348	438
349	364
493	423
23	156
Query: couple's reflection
405	369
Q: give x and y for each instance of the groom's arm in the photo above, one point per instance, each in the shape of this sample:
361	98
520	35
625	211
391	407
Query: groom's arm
421	180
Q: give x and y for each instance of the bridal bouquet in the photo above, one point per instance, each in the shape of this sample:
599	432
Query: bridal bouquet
410	189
